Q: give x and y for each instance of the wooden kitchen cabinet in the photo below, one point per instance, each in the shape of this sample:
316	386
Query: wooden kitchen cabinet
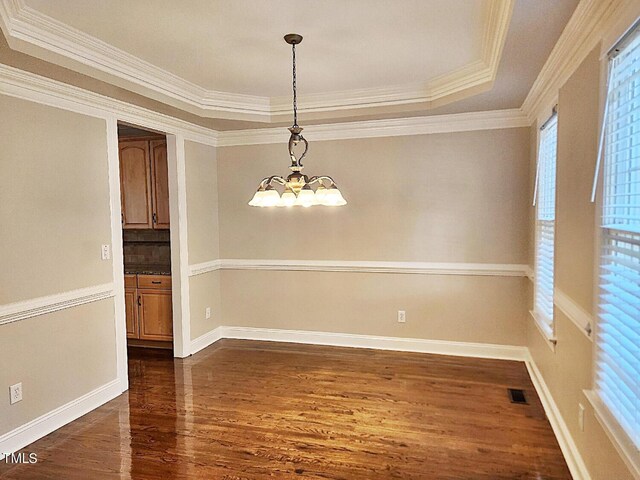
149	308
155	315
160	186
131	306
144	184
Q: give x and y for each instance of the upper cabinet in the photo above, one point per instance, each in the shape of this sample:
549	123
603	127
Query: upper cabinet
144	184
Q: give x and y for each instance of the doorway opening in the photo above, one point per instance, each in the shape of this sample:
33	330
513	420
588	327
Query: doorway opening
146	242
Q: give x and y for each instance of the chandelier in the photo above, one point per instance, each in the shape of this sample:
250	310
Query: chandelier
297	187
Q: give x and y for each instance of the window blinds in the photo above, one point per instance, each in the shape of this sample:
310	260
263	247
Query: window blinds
545	225
618	339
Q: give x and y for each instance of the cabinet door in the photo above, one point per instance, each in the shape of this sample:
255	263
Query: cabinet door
135	184
155	315
131	308
160	179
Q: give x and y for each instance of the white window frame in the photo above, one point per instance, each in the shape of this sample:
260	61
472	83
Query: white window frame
545	321
622	441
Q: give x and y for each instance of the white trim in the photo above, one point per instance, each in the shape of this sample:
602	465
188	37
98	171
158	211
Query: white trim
545	331
569	449
458	122
29	86
204	267
35	33
441	347
528	272
39	427
12	312
620	440
574	312
117	260
421	268
589	23
203	341
179	245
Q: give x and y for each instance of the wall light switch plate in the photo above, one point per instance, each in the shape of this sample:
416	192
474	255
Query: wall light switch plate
106	252
402	316
15	393
207	312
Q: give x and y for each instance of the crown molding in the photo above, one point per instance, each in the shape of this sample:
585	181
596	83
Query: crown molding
587	26
29	86
459	122
29	30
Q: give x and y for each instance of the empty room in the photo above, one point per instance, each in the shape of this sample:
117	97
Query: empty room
321	239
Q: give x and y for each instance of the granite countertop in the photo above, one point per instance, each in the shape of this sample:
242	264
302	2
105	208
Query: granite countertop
147	269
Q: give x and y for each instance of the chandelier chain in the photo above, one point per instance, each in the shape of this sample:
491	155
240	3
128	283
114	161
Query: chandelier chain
295	96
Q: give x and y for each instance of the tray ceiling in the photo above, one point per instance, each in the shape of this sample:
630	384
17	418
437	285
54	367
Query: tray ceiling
227	60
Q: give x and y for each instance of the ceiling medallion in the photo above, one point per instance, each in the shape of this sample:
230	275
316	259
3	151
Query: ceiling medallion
297	186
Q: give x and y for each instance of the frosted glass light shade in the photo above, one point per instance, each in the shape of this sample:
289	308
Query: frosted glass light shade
256	200
320	194
333	198
306	197
270	198
288	199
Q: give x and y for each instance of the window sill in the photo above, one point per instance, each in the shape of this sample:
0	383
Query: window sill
621	441
544	330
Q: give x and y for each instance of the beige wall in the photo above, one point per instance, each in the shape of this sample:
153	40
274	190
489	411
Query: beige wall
54	203
457	197
203	235
202	202
569	370
54	210
438	307
57	357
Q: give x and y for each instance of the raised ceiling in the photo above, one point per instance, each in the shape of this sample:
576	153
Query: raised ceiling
227	60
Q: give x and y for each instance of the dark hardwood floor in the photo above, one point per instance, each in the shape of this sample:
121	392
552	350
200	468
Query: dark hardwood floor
258	410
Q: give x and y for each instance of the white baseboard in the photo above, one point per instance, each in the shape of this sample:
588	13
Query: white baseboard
203	341
464	349
28	433
569	449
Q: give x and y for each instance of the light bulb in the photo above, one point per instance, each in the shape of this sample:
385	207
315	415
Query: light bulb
288	199
333	197
306	197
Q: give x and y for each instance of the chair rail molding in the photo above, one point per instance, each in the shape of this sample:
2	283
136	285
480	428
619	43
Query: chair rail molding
22	310
574	312
419	268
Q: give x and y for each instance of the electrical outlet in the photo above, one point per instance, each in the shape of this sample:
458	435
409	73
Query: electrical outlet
207	312
15	393
581	417
402	316
106	252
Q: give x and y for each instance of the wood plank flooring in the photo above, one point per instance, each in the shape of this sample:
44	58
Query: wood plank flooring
261	410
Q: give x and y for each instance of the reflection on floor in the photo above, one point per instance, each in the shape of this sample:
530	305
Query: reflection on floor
258	410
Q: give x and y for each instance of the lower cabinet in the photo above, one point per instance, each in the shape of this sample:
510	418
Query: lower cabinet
155	318
131	304
149	307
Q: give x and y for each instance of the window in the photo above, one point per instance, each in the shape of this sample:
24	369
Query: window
545	226
618	340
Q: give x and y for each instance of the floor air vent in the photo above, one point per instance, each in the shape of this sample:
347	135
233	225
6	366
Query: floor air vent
517	396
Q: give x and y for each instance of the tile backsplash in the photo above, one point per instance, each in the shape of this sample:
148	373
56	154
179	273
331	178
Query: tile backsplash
146	247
